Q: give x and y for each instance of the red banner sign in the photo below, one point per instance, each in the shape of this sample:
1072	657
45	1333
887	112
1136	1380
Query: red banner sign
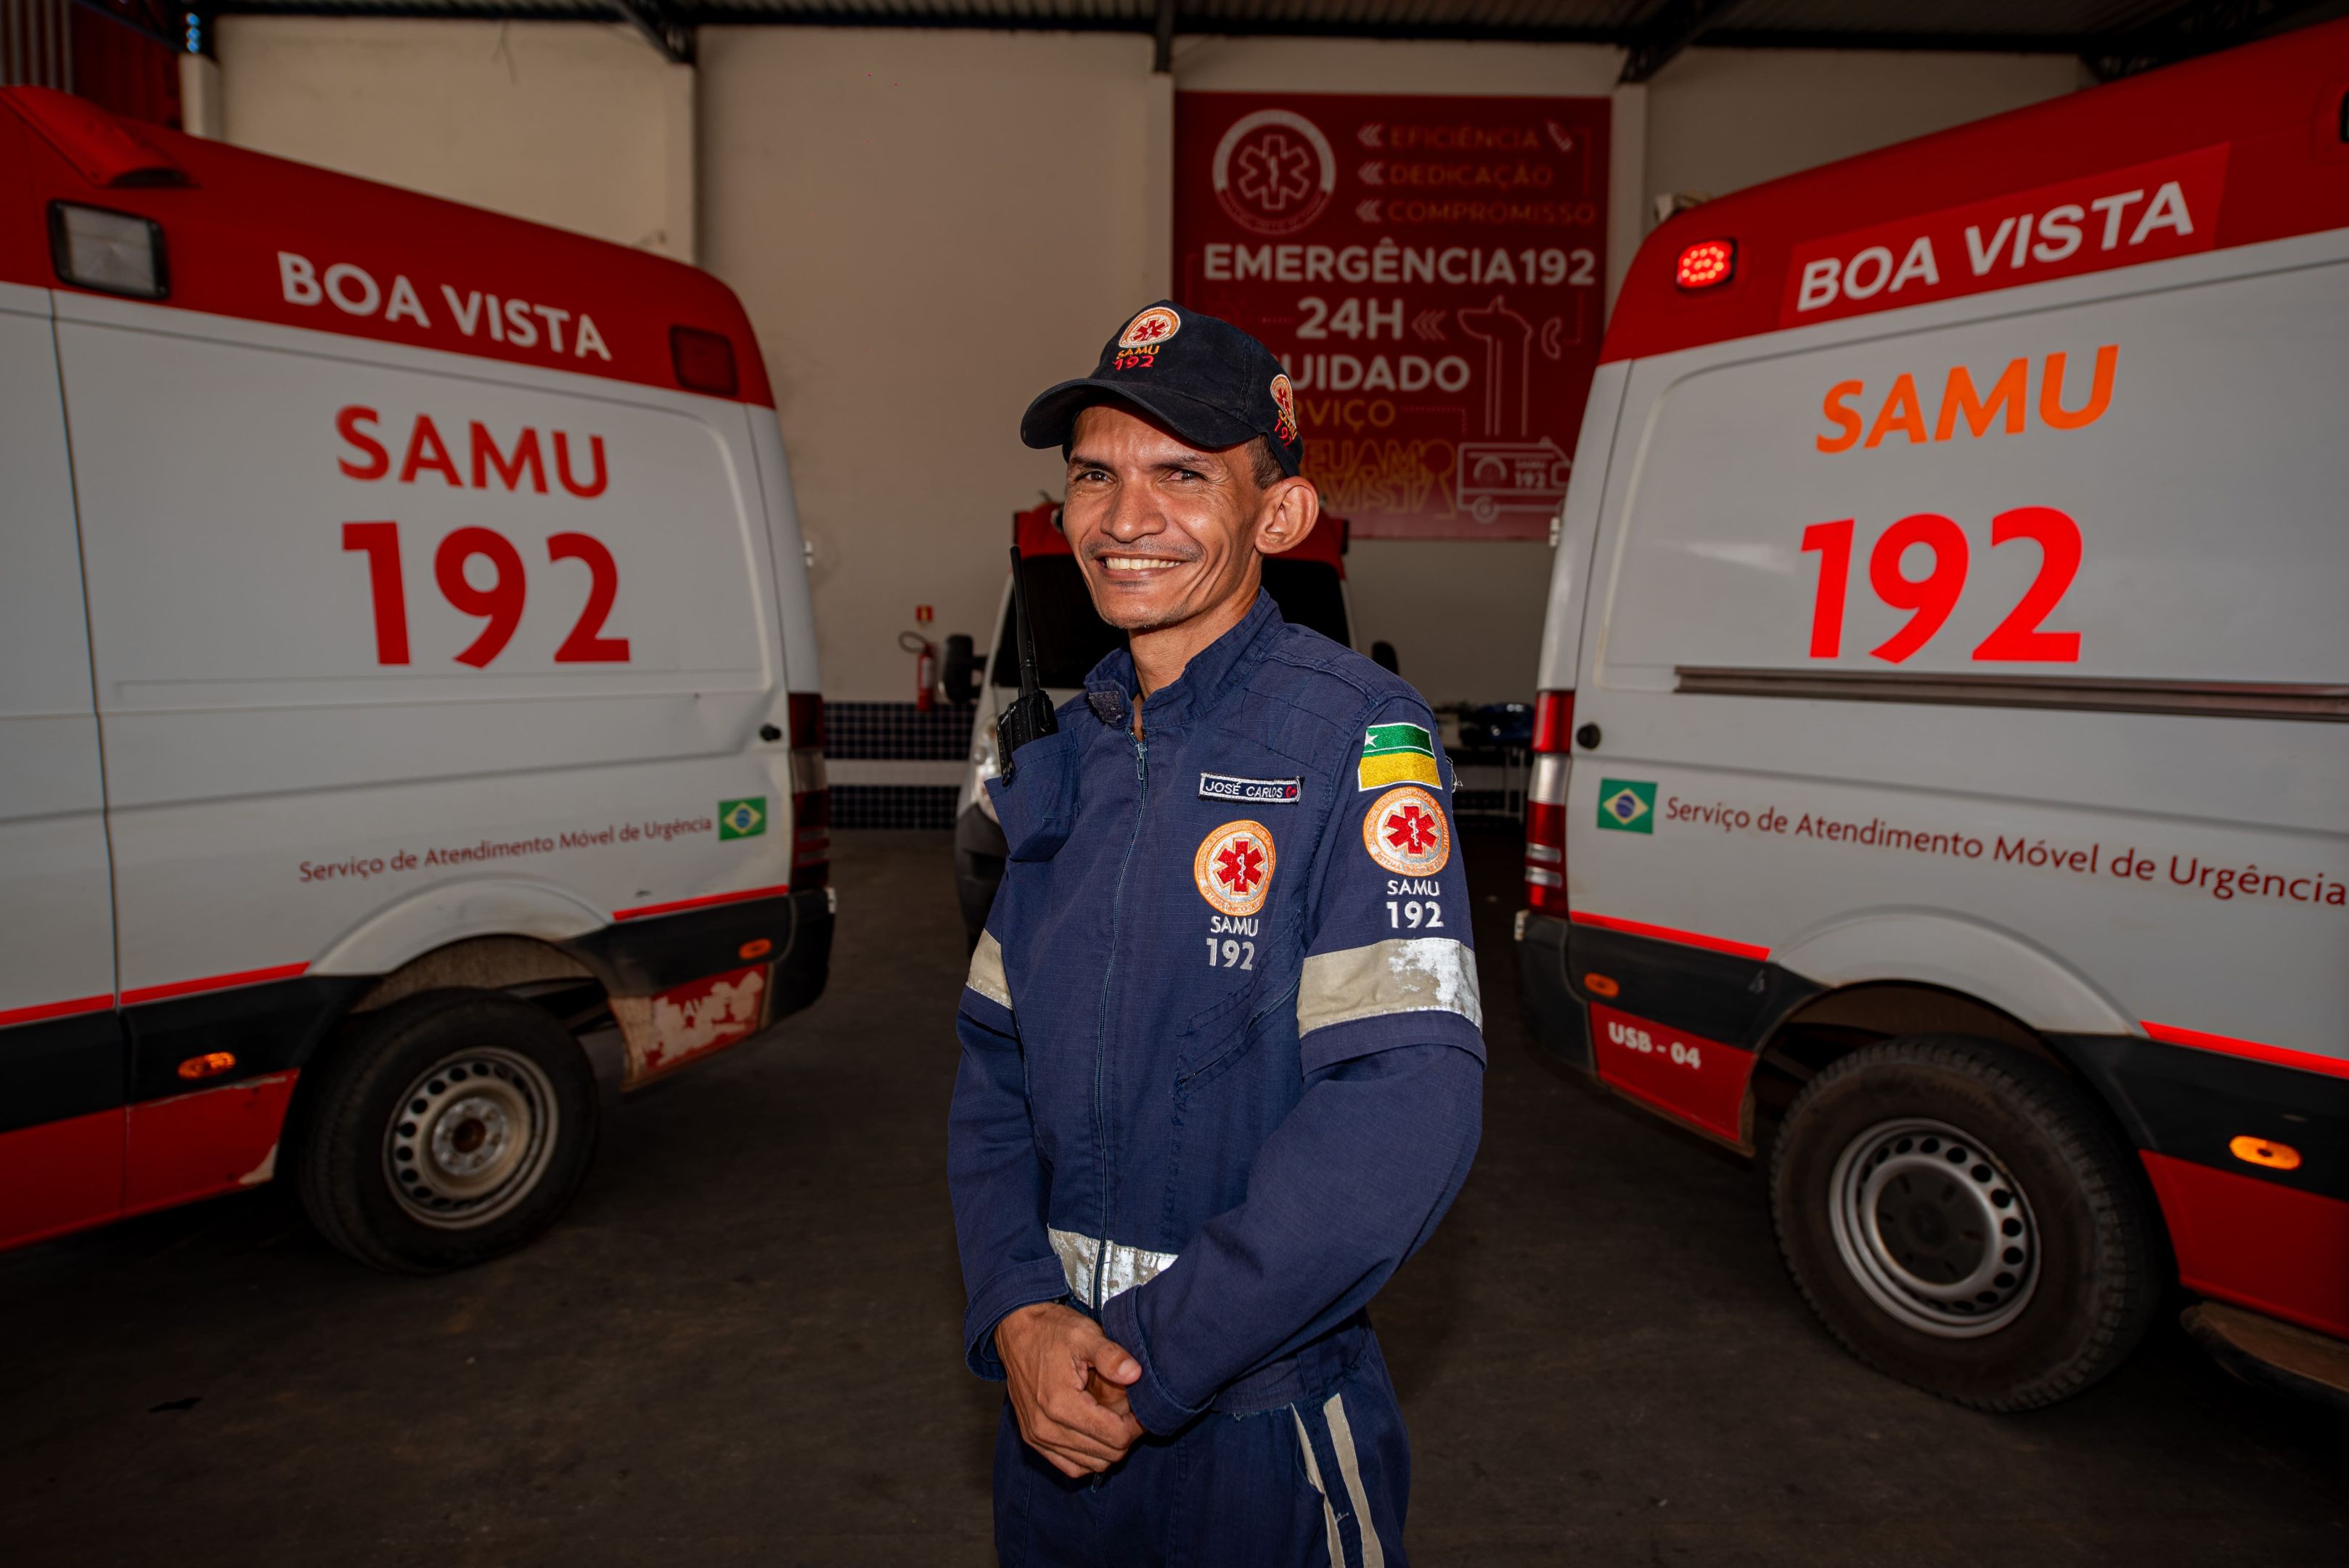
1431	271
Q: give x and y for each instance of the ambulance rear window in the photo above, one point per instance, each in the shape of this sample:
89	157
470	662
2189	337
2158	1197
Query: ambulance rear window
1071	638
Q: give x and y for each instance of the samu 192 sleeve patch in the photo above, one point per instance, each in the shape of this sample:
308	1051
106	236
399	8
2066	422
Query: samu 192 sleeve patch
1405	832
1396	754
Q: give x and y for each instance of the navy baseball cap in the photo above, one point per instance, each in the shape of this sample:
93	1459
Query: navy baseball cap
1205	380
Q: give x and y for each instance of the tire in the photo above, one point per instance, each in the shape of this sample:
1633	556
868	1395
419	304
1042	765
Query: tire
1958	1215
485	1103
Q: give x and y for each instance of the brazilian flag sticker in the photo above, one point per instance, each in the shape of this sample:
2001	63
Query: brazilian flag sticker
1396	754
1625	807
742	818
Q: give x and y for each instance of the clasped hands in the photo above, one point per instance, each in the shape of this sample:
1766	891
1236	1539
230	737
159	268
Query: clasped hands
1068	1384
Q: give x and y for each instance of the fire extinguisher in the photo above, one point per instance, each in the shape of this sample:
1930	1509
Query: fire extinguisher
926	668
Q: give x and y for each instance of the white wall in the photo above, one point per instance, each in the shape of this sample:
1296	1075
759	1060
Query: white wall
1720	119
929	227
579	125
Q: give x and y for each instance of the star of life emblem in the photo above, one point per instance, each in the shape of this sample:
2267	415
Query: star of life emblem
1233	867
1151	329
1405	831
1274	172
1284	404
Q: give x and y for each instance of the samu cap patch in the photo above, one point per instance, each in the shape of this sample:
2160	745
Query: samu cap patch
1207	380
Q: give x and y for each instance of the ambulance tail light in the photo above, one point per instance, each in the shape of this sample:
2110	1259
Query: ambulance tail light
1708	264
1546	803
704	361
110	252
811	794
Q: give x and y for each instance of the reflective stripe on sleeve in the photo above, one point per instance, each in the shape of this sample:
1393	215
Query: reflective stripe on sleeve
1403	974
1121	1267
987	976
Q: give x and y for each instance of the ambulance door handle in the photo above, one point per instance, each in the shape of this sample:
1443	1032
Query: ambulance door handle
770	733
1587	737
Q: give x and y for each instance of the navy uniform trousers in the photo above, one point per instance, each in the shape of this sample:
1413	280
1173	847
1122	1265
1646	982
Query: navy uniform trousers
1323	1481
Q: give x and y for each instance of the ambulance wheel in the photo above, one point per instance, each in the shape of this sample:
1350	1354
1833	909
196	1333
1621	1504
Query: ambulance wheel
445	1130
1959	1216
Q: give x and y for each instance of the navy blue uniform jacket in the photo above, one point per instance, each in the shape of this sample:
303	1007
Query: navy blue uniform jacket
1222	1060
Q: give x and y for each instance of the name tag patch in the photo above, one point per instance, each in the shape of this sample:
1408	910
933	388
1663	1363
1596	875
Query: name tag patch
1256	792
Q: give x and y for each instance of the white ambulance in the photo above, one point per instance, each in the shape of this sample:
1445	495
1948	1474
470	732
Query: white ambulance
1942	788
405	663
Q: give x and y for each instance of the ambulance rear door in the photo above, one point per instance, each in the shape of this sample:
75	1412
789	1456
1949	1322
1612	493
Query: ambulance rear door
60	1045
394	648
2013	614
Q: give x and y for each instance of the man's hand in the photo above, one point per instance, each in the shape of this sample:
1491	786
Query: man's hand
1068	1387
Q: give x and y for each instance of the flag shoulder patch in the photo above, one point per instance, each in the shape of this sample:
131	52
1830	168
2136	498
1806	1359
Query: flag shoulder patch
1396	753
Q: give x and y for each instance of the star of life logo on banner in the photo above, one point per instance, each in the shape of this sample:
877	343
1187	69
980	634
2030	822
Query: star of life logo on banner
1405	832
1274	171
1233	869
1430	271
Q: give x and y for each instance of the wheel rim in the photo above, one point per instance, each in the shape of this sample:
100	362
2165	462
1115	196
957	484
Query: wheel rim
1934	1228
471	1137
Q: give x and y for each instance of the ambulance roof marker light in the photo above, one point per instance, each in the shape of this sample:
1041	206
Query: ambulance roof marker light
703	361
1708	264
108	252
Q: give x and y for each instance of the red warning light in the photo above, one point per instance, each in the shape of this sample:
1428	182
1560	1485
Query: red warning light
1706	262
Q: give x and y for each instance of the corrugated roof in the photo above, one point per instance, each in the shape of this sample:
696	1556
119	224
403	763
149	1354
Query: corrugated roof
2114	35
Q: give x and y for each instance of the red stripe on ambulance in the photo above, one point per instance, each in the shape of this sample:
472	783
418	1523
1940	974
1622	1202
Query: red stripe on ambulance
2274	1248
1669	934
60	1175
139	993
705	901
214	1140
1688	1077
2227	1044
48	1010
262	239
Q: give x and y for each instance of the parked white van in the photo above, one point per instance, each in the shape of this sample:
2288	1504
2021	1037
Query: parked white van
1942	786
405	664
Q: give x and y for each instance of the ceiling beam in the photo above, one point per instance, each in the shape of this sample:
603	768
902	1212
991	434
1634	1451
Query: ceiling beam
1652	45
847	14
2194	27
662	26
154	18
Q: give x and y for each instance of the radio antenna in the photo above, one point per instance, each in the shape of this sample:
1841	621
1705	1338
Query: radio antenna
1029	717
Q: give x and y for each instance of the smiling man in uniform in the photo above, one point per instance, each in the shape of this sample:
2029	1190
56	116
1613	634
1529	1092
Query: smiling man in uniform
1222	1067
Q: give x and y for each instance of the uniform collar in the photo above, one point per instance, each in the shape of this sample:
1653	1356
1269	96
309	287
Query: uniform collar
1111	688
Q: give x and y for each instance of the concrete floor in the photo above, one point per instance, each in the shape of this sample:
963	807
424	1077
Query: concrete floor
742	1345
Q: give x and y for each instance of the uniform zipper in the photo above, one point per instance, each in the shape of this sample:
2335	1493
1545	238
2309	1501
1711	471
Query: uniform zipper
1101	1032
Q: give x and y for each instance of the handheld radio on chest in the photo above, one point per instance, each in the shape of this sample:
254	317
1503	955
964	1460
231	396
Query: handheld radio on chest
1029	716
